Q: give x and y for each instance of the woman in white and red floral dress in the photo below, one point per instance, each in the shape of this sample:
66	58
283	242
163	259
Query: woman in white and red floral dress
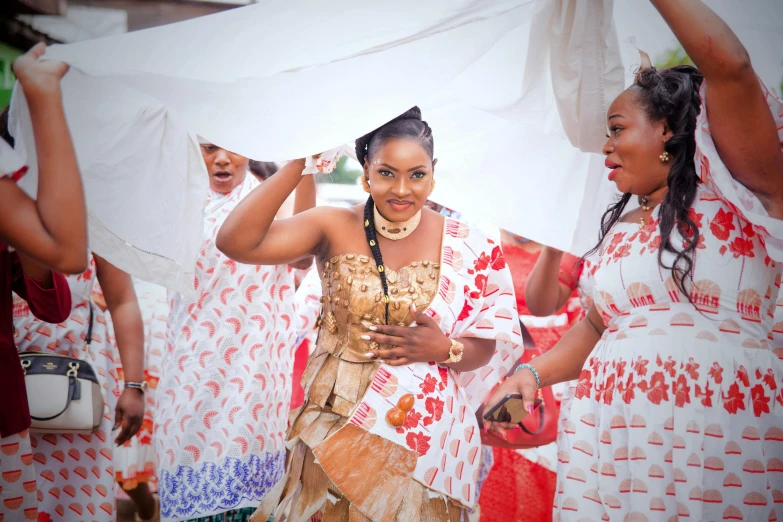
678	412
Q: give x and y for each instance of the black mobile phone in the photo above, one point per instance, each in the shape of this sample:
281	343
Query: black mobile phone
510	409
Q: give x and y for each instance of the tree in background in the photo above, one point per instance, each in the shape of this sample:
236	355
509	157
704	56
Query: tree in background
673	57
7	56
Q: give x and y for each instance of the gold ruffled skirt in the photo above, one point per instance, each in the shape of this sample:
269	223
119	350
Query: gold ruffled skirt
378	472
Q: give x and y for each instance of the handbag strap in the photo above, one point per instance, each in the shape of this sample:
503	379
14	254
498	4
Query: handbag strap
540	422
88	335
71	393
88	339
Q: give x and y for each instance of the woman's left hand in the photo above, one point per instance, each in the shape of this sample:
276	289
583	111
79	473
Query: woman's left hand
521	383
129	414
424	342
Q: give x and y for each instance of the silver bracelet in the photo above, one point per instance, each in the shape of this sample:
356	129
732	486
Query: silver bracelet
532	370
136	385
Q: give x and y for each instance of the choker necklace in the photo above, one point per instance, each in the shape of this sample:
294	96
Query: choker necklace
395	230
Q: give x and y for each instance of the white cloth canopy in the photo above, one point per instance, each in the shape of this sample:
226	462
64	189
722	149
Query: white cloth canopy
283	79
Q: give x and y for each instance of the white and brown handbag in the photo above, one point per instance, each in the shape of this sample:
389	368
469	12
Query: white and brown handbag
63	393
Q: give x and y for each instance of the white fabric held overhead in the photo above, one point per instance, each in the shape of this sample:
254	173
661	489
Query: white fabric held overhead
510	88
262	82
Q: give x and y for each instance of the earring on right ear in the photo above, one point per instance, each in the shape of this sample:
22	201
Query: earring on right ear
664	157
365	185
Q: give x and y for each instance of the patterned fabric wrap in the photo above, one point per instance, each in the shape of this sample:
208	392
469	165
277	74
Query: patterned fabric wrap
475	299
18	491
225	380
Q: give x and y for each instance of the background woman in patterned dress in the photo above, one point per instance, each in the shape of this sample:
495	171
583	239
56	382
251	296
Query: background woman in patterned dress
47	233
135	461
521	483
678	407
226	374
75	473
302	199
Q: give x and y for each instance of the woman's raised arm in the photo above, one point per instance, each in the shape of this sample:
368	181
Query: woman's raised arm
51	229
251	235
741	123
545	292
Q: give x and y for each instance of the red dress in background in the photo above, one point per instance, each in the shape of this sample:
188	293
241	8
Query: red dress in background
518	489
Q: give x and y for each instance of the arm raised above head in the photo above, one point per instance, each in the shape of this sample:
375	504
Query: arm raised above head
252	235
741	124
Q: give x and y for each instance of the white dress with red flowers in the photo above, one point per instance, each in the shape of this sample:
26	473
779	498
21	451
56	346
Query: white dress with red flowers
678	412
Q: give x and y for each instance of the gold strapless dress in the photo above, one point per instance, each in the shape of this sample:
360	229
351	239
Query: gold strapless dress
336	379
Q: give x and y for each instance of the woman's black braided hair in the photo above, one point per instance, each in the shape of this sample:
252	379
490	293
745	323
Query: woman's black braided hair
672	95
410	126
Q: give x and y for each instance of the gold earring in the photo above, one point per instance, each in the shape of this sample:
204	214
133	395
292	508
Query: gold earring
432	188
664	157
365	185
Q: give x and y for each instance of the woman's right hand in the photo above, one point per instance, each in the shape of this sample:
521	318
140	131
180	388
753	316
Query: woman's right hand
521	383
38	76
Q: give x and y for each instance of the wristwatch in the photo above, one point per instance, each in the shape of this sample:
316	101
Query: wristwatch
141	386
455	352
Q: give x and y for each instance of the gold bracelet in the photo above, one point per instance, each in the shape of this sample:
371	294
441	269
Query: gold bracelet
455	352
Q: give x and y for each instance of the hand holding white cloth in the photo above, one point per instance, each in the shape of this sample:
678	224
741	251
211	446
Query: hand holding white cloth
326	162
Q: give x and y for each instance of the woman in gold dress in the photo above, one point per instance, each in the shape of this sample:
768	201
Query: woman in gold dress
383	433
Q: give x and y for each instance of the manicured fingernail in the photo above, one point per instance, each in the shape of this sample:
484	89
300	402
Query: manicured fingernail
372	328
530	409
366	337
370	355
504	437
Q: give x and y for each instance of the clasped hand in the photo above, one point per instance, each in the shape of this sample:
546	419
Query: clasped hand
401	345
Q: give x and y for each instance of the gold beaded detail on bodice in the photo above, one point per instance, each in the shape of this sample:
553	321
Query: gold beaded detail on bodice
353	300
